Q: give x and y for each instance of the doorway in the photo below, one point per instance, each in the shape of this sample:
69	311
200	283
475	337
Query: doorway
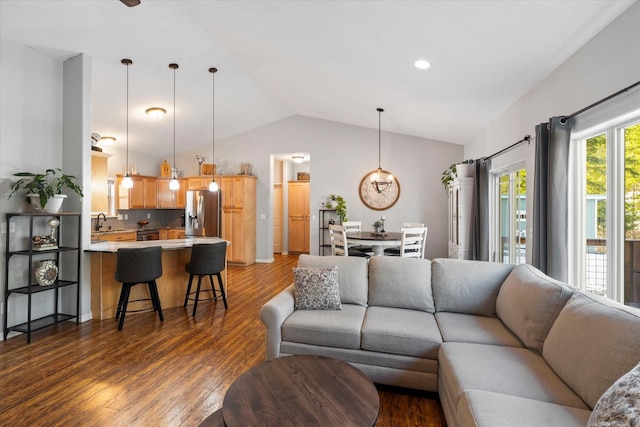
288	168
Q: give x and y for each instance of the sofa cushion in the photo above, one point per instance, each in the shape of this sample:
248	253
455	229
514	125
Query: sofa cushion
331	328
620	404
316	288
470	328
401	331
353	275
592	343
529	302
509	370
488	409
464	286
401	283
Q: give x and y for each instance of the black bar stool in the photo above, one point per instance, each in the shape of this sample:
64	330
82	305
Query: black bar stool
206	260
135	266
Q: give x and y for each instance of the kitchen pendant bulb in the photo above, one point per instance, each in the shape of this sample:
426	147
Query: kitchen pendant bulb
174	184
213	186
127	182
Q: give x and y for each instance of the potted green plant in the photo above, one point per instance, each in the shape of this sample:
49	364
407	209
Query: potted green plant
377	226
45	190
452	173
340	206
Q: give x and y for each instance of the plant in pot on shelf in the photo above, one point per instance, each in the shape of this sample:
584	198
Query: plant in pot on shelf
45	190
337	203
452	173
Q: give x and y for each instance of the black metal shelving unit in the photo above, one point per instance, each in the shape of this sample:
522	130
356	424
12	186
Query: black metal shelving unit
30	255
324	245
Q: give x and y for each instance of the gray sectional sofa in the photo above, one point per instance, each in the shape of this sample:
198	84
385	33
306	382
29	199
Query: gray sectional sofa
503	345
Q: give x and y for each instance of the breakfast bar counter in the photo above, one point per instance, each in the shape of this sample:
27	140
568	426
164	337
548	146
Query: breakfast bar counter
172	286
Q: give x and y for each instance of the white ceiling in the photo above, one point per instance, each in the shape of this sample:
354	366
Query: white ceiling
334	60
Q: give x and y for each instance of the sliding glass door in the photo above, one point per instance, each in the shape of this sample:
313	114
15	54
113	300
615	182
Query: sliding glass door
510	240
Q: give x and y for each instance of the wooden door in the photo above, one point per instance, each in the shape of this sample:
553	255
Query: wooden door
136	193
299	220
181	194
277	218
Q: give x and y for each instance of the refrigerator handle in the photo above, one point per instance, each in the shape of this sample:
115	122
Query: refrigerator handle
201	211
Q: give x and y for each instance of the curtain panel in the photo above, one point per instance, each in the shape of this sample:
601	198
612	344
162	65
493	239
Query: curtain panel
480	234
550	199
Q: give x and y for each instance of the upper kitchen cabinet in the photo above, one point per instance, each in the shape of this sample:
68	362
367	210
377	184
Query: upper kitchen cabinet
171	199
199	182
234	192
143	195
99	182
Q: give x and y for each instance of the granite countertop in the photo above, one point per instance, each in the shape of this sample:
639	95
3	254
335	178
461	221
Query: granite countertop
173	244
123	230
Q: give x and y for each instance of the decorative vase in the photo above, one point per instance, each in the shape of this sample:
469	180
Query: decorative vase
47	272
53	205
465	170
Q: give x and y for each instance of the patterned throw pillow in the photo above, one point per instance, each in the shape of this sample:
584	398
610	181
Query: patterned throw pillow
316	288
620	404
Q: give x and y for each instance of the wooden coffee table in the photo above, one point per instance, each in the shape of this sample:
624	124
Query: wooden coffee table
301	391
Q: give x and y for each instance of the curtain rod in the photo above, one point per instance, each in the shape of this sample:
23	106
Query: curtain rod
595	104
527	138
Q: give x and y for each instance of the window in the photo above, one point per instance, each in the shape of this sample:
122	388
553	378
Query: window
509	242
605	242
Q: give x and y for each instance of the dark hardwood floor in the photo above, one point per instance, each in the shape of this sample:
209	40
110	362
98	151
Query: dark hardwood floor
152	373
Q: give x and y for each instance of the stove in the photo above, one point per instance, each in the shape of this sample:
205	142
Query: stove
148	234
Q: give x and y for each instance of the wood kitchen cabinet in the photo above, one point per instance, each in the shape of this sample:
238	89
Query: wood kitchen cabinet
200	182
171	199
144	193
239	217
299	218
125	236
99	185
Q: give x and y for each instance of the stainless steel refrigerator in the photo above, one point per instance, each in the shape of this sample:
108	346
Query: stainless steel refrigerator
202	214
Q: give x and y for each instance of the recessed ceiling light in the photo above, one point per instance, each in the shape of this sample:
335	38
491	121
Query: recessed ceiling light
422	64
155	112
107	140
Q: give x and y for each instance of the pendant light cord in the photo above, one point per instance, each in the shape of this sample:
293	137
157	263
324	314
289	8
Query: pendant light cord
127	62
174	67
213	71
380	110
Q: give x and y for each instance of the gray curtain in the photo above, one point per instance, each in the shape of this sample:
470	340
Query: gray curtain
550	199
481	221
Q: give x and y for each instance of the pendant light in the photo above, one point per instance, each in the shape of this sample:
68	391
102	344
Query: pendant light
213	185
380	180
174	184
127	182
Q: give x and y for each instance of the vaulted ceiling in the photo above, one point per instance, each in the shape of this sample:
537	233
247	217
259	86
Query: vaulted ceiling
334	60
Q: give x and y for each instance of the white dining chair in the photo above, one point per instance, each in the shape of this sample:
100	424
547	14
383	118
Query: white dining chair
412	243
355	227
340	243
395	251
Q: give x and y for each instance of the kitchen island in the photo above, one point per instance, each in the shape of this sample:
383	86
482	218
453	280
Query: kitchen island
172	286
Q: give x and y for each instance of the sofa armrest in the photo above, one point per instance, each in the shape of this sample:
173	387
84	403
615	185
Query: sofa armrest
273	314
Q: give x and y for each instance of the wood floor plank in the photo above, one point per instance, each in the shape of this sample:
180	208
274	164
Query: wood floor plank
152	373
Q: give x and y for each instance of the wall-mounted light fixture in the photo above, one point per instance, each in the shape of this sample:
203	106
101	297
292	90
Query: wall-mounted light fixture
127	182
155	112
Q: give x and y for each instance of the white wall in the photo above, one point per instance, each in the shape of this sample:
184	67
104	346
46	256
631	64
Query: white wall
607	63
340	156
30	138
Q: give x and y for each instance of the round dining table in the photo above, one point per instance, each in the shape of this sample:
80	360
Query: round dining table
377	241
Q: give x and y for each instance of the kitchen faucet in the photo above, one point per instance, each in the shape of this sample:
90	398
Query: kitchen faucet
98	225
